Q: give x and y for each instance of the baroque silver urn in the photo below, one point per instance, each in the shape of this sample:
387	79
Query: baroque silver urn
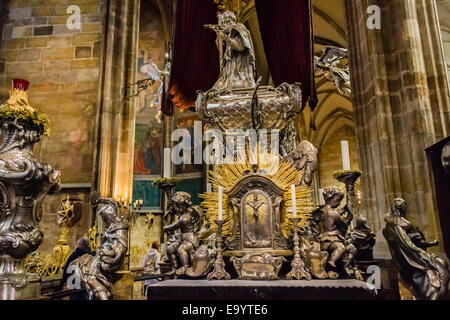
23	184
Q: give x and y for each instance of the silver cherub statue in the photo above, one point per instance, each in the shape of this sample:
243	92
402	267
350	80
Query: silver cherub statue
333	225
189	223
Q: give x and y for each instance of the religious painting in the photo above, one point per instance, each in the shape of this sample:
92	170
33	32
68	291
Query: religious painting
192	186
187	122
151	195
147	154
148	134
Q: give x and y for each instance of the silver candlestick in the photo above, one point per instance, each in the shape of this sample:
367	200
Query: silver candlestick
219	271
298	270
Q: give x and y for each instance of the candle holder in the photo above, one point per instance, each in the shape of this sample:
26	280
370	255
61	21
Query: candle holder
298	270
130	210
168	187
219	265
348	177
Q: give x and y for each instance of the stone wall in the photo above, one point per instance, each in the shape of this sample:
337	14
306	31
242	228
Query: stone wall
443	7
401	104
330	156
64	68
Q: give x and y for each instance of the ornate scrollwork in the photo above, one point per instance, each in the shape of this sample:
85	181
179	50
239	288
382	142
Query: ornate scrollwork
23	184
258	266
233	110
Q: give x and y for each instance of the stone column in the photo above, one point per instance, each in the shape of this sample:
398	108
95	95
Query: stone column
117	114
401	105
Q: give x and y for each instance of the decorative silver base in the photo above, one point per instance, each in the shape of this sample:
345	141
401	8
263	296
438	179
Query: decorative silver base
298	270
258	266
219	271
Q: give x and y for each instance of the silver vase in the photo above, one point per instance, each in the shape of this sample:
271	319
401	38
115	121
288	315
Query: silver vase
23	184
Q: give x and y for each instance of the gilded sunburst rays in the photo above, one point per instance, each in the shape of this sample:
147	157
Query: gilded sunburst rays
282	173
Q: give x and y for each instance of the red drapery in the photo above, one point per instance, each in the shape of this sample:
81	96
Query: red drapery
286	29
287	33
195	59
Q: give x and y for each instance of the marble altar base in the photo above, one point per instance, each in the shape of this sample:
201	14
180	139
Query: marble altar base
261	290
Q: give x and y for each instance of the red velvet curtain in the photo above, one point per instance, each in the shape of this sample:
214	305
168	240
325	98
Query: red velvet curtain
195	59
287	33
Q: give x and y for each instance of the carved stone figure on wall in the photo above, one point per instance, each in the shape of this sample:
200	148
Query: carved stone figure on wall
304	156
189	223
237	56
364	240
330	66
426	273
334	227
96	273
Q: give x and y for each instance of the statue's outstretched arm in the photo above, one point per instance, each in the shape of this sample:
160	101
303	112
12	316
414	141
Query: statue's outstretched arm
173	226
347	215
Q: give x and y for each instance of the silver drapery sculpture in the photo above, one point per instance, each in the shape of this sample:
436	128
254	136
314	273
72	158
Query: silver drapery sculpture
427	274
23	184
97	273
329	66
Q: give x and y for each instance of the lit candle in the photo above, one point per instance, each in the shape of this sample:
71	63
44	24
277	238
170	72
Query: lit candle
220	203
345	155
294	202
167	162
209	188
321	198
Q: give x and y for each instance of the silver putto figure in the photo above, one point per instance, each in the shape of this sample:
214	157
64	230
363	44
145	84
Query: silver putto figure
183	244
96	273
